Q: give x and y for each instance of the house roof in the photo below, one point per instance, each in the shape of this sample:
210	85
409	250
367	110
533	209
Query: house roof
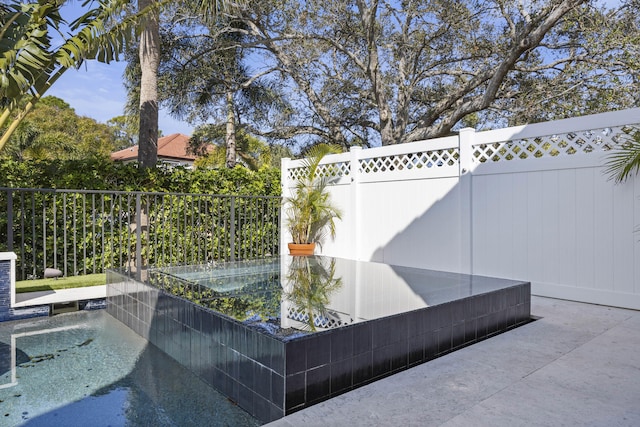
174	147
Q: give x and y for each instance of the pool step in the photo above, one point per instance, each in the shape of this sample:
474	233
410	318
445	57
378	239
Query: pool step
63	307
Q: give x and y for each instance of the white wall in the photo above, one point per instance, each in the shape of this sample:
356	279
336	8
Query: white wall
471	204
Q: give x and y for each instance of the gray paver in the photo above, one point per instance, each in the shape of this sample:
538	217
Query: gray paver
578	365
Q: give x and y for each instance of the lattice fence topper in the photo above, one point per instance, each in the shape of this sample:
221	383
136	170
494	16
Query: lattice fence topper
408	161
566	144
332	170
326	320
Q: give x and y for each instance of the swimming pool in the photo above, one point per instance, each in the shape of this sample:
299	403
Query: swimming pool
86	368
300	330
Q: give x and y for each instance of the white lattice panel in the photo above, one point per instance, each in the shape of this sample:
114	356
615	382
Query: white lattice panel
410	161
332	170
567	144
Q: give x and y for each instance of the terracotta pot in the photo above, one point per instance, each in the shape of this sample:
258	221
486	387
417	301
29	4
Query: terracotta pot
302	248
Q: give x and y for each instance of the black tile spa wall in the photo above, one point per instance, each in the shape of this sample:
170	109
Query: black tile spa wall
243	364
270	378
329	363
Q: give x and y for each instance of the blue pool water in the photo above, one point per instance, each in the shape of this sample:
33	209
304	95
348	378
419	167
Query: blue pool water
88	369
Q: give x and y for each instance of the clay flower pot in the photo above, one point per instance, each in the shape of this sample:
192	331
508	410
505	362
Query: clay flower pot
302	248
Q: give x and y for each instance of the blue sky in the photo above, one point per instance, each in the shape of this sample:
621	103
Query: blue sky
96	89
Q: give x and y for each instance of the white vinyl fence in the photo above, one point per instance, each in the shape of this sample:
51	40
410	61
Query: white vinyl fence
528	202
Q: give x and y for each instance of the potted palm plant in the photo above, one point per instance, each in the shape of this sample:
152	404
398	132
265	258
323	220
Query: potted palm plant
310	213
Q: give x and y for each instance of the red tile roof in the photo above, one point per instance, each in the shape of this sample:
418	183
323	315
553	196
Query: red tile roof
174	146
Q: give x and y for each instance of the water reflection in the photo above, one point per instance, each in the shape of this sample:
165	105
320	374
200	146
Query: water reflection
308	287
288	295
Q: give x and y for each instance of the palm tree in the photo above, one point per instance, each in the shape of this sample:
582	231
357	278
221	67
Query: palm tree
202	76
149	56
30	65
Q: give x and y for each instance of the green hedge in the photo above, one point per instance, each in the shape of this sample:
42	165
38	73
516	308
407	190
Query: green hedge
87	233
102	174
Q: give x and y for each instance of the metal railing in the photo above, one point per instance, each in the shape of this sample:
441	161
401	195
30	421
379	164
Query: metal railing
86	231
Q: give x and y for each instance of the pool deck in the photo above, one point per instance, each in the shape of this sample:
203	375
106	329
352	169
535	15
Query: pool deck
579	364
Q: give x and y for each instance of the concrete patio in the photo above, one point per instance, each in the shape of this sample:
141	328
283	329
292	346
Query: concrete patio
579	364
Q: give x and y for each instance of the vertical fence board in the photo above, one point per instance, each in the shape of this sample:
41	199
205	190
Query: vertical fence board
519	225
566	238
541	208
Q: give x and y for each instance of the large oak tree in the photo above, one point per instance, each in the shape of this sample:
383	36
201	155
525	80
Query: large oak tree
373	71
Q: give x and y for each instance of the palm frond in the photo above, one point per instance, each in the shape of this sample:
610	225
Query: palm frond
625	160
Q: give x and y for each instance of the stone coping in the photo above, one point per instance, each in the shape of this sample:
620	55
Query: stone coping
4	256
28	299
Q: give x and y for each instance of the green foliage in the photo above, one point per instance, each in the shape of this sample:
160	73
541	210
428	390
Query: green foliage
84	233
53	131
30	64
625	160
25	46
88	232
310	213
252	152
102	174
125	129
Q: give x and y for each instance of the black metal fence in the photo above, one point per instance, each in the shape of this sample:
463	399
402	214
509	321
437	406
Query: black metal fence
86	231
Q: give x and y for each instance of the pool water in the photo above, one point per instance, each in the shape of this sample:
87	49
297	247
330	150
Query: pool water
86	368
228	277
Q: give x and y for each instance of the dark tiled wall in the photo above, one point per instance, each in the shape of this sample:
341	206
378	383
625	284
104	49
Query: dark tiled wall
5	290
327	364
8	313
243	364
270	378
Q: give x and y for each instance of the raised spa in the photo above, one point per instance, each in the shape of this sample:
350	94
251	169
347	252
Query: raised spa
279	334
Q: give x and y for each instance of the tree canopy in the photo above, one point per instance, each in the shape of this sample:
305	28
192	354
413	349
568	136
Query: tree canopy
53	130
354	72
371	71
204	77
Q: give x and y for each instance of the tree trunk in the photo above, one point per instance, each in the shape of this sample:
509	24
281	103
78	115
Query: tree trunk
149	59
231	132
